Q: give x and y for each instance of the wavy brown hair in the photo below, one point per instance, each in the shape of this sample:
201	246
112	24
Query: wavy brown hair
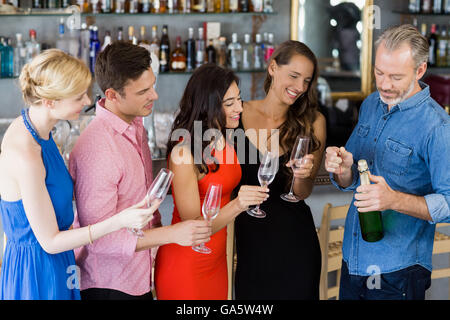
202	101
302	113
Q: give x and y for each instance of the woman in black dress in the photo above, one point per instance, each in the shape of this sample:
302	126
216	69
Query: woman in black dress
278	257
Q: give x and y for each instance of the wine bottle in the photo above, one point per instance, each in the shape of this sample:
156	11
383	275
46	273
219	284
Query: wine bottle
164	51
370	222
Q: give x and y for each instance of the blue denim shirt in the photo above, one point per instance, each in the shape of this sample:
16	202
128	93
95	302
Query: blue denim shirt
410	147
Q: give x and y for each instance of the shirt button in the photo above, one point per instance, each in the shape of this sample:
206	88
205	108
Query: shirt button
355	234
375	139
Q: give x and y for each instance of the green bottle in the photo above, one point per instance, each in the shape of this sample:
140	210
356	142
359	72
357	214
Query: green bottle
370	222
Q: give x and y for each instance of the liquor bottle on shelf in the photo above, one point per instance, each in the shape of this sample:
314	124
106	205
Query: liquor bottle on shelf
247	53
210	52
154	44
268	6
427	6
198	5
446	6
200	49
142	40
442	44
437	6
423	29
106	6
61	42
120	6
20	54
258	57
172	6
164	50
244	5
226	6
134	6
94	47
178	58
210	6
7	58
184	6
162	6
432	42
234	53
258	5
85	38
414	6
269	48
120	34
107	41
156	6
96	6
370	222
222	52
233	5
130	34
218	6
190	51
145	6
87	7
32	46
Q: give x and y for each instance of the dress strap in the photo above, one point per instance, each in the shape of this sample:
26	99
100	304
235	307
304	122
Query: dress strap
27	122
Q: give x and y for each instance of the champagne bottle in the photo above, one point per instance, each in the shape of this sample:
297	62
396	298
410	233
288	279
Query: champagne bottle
370	222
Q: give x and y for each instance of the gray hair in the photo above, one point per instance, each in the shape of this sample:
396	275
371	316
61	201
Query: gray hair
394	37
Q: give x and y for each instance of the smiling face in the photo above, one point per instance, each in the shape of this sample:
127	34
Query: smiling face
232	106
290	81
70	108
137	98
396	74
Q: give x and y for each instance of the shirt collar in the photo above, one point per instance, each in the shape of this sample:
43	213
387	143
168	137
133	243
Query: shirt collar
113	120
413	101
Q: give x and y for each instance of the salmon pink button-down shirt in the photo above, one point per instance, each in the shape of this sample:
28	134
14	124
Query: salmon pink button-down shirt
112	170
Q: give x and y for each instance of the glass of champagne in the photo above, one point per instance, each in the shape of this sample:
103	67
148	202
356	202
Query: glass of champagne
300	149
157	192
266	173
210	210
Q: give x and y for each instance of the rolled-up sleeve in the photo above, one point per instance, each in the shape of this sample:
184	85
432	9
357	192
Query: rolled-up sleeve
439	165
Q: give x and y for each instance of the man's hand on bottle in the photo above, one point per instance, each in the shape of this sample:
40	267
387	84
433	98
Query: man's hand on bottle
377	196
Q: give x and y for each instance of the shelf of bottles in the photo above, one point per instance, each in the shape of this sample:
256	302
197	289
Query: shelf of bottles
419	13
140	7
427	7
206	46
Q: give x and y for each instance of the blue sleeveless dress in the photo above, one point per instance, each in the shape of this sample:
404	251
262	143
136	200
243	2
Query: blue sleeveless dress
28	272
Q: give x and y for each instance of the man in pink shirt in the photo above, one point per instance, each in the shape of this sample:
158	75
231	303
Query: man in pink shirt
112	169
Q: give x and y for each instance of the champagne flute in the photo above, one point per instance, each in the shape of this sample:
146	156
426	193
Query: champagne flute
299	150
157	192
210	210
266	173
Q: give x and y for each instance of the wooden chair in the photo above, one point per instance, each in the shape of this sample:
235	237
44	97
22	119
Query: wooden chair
331	247
441	245
231	259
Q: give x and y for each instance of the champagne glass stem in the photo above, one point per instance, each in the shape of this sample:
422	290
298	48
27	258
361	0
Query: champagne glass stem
291	191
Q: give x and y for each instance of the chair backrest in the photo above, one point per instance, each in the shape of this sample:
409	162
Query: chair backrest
230	258
330	214
331	261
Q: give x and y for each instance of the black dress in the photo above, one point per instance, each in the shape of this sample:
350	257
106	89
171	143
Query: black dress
278	257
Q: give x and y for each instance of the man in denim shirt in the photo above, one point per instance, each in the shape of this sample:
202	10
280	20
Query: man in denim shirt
405	137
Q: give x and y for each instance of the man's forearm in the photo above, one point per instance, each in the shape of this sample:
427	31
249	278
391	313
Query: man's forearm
411	205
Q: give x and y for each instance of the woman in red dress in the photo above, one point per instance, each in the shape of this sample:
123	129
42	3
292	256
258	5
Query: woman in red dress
207	103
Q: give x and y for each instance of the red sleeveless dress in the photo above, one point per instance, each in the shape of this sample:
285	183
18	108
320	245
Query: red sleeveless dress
184	274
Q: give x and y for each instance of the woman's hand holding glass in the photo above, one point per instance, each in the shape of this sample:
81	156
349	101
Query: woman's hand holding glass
251	196
302	168
137	216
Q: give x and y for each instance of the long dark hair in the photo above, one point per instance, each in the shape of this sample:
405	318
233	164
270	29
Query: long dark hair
302	113
202	101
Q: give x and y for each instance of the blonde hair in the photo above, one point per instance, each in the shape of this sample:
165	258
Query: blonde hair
53	75
394	37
